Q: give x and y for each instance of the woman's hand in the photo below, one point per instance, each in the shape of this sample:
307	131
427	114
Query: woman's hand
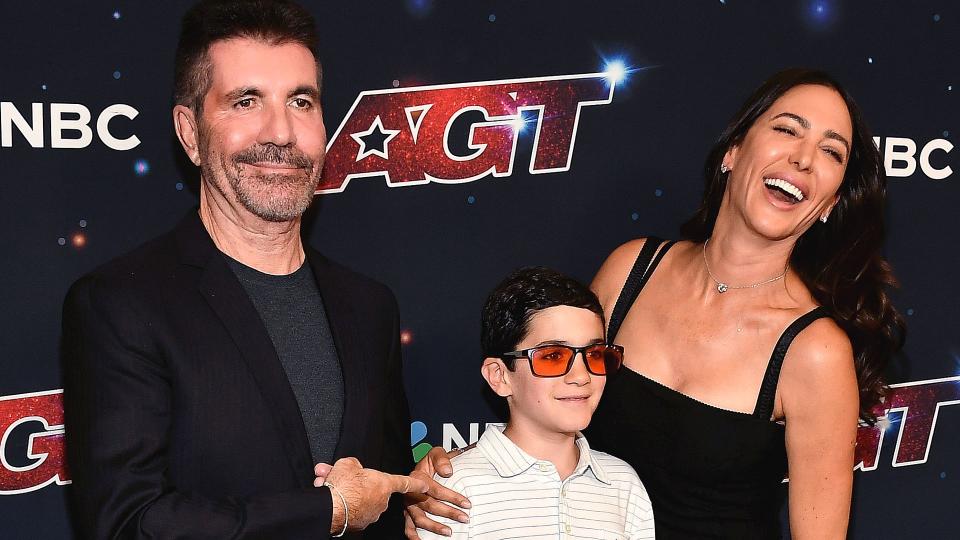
437	461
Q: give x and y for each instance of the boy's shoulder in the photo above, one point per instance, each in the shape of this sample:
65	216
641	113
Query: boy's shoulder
467	466
471	458
609	462
492	458
615	470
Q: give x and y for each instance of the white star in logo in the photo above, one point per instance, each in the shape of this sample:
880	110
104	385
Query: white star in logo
376	126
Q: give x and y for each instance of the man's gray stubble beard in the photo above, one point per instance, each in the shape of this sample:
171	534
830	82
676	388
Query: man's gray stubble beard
269	210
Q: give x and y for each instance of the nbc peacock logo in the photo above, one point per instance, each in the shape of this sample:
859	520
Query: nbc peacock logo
419	447
451	436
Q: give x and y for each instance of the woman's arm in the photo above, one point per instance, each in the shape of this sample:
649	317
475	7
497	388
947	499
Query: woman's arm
820	404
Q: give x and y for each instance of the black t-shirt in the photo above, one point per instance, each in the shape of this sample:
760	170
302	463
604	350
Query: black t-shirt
292	311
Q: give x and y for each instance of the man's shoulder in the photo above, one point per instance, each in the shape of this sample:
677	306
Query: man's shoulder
142	265
149	276
152	256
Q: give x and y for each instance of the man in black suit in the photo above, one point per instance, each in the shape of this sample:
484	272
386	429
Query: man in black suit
211	373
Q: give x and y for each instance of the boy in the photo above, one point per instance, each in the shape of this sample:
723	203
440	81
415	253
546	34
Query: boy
542	335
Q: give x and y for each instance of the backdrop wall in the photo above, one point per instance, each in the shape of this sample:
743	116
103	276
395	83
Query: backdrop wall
577	160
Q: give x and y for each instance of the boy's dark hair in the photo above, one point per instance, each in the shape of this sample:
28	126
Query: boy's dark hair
272	21
505	319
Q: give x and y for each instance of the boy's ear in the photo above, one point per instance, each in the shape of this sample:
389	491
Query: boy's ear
496	375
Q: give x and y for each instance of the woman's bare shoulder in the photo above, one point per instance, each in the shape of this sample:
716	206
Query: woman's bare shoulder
616	267
824	343
819	362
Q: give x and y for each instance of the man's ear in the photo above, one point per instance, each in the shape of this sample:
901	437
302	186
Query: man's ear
497	376
185	124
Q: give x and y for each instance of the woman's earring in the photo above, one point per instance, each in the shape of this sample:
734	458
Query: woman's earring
724	169
823	218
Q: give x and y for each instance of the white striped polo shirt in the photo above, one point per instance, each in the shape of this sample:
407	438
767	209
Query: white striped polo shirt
514	495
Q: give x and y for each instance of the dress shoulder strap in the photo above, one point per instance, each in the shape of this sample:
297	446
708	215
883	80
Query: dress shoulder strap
642	270
768	389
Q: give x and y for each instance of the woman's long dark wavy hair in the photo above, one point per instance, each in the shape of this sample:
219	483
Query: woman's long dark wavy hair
839	261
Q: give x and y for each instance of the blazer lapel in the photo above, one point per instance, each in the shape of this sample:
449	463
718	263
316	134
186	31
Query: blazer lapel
226	296
344	326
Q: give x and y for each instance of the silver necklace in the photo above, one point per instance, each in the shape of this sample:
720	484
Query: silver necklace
723	287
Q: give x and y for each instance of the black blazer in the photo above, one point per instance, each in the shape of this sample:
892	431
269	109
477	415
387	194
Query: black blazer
180	421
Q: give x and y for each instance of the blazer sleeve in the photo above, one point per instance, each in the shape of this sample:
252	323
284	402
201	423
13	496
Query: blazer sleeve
397	455
118	407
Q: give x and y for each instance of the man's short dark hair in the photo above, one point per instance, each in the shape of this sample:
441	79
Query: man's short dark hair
505	318
276	22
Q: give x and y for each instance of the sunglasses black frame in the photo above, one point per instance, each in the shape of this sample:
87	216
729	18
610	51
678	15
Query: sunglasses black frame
577	351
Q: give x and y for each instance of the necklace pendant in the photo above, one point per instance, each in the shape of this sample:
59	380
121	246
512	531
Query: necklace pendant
722	288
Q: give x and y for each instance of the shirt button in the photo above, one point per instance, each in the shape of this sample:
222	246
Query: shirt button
567	528
543	467
563	490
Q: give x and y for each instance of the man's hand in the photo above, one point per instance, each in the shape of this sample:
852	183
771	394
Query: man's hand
321	470
433	500
366	491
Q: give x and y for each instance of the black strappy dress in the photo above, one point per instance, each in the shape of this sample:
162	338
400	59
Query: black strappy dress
710	472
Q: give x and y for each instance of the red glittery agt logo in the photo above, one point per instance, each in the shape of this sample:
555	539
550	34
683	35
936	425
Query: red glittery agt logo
917	404
44	461
403	134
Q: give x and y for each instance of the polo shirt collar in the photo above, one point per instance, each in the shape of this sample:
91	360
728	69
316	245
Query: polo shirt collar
586	462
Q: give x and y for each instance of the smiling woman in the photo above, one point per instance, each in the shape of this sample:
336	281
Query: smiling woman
839	259
799	158
762	327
